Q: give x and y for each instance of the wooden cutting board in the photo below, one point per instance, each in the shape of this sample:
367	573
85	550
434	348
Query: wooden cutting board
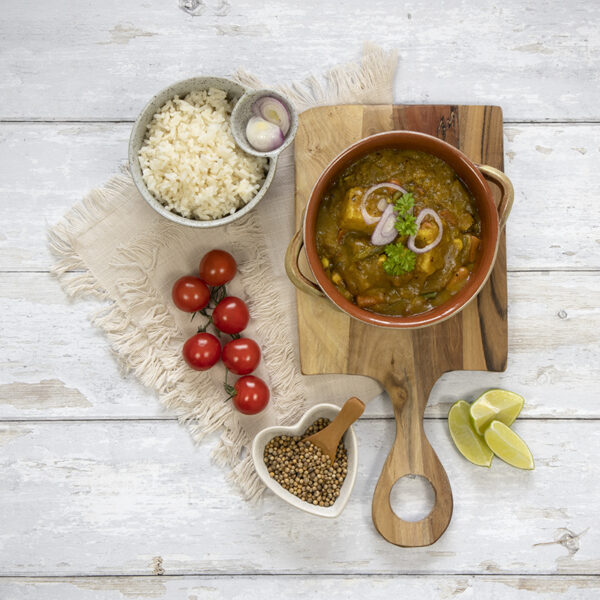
406	363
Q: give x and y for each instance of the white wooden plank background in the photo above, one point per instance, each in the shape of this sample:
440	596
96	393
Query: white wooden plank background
551	167
551	356
431	587
137	490
71	61
103	495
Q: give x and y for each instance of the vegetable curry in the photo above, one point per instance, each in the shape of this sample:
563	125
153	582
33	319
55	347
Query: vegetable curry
398	233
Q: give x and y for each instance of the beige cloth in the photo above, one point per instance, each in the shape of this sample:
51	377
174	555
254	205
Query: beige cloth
130	256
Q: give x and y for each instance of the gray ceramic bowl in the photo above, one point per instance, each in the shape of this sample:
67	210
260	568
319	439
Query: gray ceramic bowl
236	93
242	112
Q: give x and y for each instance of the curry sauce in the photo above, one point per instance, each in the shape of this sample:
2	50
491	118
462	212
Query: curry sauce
356	266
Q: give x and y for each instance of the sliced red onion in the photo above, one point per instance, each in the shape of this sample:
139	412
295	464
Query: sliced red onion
367	218
274	111
370	219
411	240
385	232
263	135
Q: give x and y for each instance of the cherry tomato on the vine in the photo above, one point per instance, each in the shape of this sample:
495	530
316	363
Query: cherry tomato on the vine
251	394
241	356
231	315
217	267
190	294
202	351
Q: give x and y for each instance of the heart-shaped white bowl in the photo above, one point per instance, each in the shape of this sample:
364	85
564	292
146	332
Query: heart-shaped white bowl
329	411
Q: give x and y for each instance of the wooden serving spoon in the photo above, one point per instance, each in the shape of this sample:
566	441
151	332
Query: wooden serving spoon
327	439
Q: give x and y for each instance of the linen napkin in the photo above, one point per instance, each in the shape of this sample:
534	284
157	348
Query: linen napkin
113	246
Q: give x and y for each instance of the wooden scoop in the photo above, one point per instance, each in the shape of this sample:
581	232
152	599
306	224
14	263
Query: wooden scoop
327	439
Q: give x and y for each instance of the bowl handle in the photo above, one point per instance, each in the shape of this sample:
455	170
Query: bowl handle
506	186
292	268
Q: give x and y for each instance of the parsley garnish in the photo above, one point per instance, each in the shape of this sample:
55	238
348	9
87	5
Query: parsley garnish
403	203
405	221
399	259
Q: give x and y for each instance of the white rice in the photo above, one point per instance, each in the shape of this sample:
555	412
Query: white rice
190	161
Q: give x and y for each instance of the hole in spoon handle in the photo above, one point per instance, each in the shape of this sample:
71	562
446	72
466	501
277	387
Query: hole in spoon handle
411	454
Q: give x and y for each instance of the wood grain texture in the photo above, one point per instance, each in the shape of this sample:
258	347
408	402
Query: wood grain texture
322	134
411	454
49	166
109	497
553	354
96	497
326	587
103	63
406	363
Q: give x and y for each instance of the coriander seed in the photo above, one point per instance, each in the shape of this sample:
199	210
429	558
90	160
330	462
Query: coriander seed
303	470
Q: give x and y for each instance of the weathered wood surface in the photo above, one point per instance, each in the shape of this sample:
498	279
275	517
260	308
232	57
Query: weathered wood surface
538	60
47	167
108	498
374	587
64	60
56	365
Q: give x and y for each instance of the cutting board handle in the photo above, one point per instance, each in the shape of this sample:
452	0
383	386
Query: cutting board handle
411	454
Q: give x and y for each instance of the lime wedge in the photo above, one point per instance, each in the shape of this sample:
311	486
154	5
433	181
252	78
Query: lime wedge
469	443
495	405
508	446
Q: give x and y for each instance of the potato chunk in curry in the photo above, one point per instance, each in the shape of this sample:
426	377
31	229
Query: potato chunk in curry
351	218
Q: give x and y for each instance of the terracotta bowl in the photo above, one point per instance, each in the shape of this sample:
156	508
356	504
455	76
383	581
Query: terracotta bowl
493	218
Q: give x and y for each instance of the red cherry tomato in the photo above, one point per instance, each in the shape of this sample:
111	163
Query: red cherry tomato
217	267
190	294
202	351
251	394
231	315
241	356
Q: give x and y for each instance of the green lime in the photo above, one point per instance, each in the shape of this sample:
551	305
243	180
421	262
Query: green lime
469	443
495	405
508	446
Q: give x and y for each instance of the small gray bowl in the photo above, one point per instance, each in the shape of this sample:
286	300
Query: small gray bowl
235	93
242	112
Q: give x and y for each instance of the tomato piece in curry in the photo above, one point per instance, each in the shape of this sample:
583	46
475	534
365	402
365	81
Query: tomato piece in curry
355	265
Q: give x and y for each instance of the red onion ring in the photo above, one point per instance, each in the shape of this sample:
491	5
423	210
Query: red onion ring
411	240
367	218
385	232
370	219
